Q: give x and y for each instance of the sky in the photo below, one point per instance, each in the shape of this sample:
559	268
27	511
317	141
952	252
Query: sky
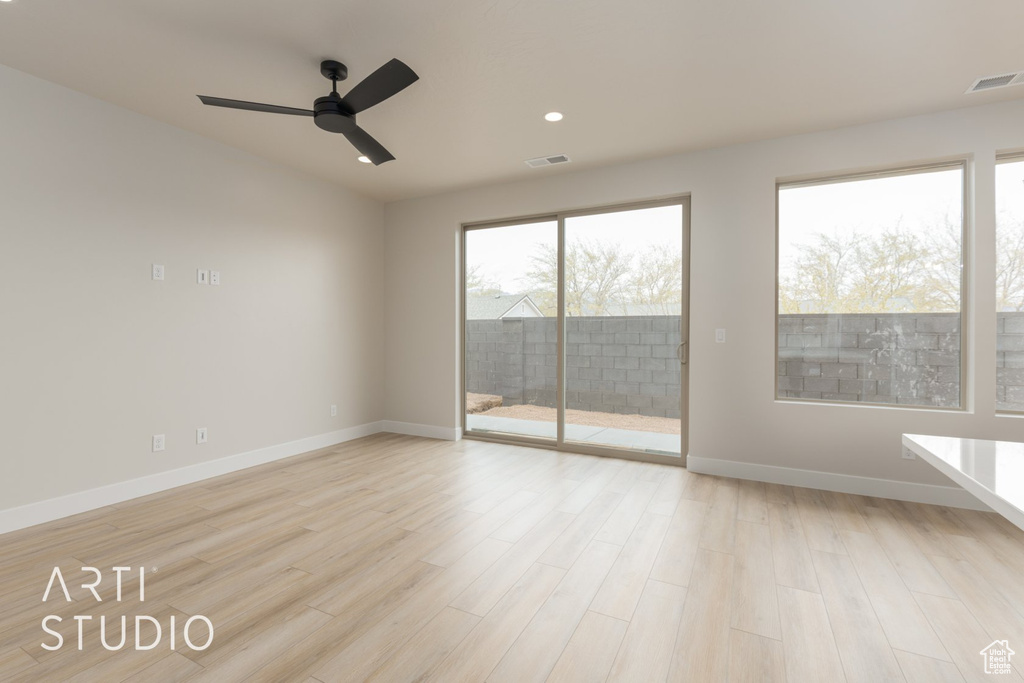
1010	193
914	202
503	254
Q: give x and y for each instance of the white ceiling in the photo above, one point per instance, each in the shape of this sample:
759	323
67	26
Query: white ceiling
634	79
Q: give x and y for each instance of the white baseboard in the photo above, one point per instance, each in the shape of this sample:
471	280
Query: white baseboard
428	431
952	496
83	501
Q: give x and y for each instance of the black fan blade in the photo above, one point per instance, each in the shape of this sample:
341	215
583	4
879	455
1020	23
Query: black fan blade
365	143
253	106
391	78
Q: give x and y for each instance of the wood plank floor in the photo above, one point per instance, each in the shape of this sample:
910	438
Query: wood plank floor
394	558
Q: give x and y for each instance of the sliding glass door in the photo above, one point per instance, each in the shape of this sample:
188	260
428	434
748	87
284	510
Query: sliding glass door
623	287
511	333
575	330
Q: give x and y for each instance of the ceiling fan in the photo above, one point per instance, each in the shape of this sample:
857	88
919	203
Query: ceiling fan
337	114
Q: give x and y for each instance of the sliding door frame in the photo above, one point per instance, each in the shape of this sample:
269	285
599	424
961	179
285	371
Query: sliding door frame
559	443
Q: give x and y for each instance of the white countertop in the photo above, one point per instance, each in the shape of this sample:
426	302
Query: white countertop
992	470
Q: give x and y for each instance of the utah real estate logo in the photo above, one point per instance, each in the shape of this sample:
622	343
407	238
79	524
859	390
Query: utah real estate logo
997	657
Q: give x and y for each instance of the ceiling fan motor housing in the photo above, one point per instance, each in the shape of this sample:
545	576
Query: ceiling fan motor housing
330	113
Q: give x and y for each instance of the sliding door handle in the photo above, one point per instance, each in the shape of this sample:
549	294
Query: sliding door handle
681	353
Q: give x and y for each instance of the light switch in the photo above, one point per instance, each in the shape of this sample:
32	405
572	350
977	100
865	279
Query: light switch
720	336
202	277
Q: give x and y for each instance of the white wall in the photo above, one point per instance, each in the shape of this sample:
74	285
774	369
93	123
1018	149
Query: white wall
95	357
732	285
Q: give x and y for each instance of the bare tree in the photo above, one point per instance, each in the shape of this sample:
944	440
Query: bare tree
594	277
542	279
656	280
1009	265
944	268
894	271
477	283
889	274
474	280
821	280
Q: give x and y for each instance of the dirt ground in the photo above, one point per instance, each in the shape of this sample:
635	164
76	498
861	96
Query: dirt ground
478	403
641	423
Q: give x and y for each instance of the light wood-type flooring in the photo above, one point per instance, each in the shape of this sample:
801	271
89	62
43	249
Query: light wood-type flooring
395	558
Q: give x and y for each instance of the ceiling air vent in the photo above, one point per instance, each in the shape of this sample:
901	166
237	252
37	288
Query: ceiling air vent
548	161
993	82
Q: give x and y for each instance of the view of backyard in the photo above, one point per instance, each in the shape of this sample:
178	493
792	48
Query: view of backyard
623	297
869	297
482	404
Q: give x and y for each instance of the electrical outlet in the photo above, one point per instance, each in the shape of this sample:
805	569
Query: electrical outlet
334	411
201	435
908	454
159	442
214	277
158	272
720	336
202	277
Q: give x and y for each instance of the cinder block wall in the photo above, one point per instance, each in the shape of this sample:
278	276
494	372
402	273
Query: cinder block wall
902	358
899	358
628	364
613	364
1010	361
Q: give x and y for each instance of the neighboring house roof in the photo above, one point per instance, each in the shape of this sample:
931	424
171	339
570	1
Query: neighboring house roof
501	306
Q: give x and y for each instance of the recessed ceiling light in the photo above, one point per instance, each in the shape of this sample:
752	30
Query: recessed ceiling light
5	0
553	116
364	159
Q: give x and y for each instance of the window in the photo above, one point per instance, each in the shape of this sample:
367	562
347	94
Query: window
870	283
1010	284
